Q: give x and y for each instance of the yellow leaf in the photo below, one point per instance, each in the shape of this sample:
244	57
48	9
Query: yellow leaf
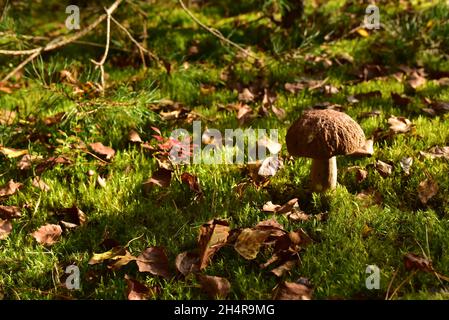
12	153
363	32
100	257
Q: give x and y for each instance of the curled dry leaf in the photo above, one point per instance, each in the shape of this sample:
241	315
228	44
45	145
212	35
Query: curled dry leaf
361	175
415	262
270	207
133	136
399	124
192	182
187	262
5	229
102	150
50	163
406	164
9	212
436	152
213	236
244	114
249	242
383	168
10	188
416	78
40	184
304	83
400	100
27	161
273	227
246	95
427	189
100	257
280	270
161	178
269	166
120	261
290	209
7	117
101	181
139	291
293	291
11	152
279	112
73	217
369	197
48	234
215	287
155	261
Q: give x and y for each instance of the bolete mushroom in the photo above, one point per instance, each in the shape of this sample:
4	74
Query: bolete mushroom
322	135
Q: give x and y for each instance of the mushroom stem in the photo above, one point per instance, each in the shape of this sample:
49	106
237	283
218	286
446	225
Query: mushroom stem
324	174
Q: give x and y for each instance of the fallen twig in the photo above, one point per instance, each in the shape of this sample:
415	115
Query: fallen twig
215	32
56	43
106	50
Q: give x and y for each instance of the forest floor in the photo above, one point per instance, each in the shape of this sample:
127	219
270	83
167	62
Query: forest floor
390	210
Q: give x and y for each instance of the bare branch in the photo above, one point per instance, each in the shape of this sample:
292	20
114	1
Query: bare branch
57	43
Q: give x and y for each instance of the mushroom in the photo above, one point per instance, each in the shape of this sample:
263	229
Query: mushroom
322	135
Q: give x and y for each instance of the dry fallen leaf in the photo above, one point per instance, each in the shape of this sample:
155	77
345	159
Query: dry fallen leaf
244	114
293	291
73	217
361	175
215	287
399	124
192	182
48	234
10	188
120	261
12	153
416	79
9	212
187	262
5	229
370	197
139	291
113	252
305	83
27	161
436	152
406	164
155	261
101	181
416	262
287	207
7	117
161	178
213	236
400	100
133	136
249	242
383	168
246	95
427	189
38	183
269	166
102	150
280	270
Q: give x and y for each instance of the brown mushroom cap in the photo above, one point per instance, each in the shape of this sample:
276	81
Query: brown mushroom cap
322	134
